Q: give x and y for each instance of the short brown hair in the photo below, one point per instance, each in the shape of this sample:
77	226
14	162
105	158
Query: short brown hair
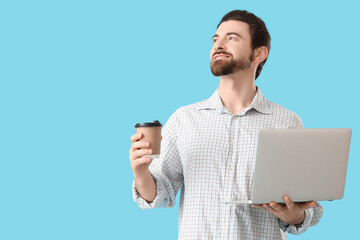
258	31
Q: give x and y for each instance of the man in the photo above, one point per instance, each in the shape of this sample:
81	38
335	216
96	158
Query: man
209	148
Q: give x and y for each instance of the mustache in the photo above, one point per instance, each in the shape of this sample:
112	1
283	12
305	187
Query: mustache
222	52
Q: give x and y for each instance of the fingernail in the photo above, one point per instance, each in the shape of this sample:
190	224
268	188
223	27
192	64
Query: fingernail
146	144
149	151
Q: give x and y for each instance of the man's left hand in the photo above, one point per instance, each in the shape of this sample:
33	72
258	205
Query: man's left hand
290	212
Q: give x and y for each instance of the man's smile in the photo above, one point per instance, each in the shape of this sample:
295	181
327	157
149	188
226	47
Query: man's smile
220	56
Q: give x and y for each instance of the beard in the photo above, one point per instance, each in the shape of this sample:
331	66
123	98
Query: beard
227	66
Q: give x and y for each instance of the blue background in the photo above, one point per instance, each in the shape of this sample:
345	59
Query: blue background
75	76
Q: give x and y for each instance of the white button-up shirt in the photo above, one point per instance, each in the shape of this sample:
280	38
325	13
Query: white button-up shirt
210	154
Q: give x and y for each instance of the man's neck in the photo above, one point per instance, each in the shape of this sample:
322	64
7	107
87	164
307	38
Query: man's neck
237	90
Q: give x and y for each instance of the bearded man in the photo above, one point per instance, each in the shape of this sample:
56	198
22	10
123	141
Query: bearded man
208	148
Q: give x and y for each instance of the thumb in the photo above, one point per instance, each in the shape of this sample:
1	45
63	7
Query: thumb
307	205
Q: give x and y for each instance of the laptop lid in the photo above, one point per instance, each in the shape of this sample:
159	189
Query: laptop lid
305	164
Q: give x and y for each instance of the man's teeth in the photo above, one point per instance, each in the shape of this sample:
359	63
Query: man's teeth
222	56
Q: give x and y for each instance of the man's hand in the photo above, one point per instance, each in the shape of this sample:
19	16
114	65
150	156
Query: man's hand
290	212
144	182
139	163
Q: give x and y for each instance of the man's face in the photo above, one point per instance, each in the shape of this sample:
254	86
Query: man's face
231	50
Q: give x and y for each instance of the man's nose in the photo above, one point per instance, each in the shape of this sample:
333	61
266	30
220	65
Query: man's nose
219	44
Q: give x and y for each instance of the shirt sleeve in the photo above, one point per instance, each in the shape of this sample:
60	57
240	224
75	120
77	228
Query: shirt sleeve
166	170
312	215
295	121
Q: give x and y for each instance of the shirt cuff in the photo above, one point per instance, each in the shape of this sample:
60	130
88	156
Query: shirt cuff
300	228
161	200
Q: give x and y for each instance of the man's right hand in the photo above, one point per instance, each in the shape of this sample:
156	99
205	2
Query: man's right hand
139	163
144	182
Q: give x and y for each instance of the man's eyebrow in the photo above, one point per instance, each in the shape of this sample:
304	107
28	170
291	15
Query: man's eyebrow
227	34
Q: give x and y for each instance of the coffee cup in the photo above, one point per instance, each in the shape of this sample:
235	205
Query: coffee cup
151	132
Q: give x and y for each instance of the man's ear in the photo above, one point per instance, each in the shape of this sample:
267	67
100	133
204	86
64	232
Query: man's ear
260	54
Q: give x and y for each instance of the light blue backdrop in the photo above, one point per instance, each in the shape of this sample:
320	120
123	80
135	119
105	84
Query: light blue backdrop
75	76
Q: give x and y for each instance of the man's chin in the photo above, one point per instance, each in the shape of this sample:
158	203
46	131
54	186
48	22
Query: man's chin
219	73
220	69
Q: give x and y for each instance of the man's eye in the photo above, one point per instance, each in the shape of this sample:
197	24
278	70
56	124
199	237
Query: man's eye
232	38
214	40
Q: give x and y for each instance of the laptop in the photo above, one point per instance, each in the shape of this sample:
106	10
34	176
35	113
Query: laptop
305	164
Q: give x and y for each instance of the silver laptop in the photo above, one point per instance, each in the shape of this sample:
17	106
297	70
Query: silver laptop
305	164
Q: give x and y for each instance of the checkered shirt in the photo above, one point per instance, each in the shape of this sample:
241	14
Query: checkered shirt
209	153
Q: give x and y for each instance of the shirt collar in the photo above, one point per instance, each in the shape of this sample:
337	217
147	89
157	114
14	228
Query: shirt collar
259	103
